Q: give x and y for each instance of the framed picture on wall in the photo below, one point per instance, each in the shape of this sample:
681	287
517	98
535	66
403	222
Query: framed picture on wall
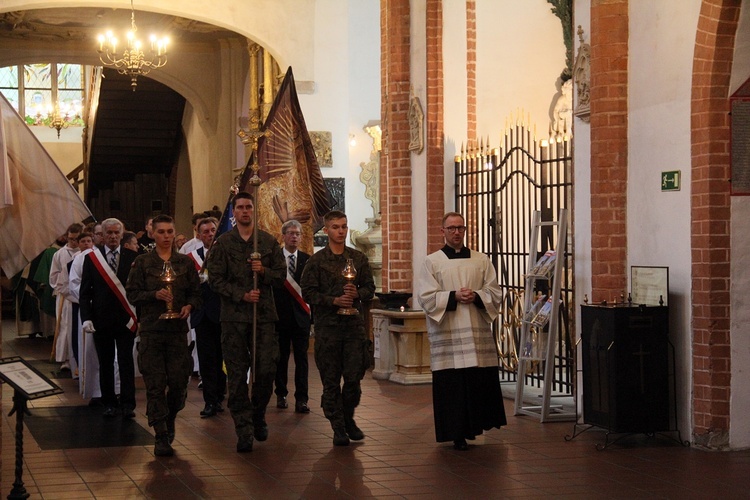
649	285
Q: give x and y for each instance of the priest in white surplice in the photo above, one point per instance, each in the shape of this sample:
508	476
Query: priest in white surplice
58	280
460	296
88	362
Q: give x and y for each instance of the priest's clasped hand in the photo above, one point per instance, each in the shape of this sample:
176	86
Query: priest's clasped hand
465	295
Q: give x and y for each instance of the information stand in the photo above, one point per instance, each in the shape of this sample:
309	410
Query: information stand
538	345
28	383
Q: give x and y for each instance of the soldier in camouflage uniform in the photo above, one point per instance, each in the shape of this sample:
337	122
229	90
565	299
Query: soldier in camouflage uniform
341	343
163	355
230	274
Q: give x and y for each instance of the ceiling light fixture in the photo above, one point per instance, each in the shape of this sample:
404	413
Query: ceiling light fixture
133	61
58	117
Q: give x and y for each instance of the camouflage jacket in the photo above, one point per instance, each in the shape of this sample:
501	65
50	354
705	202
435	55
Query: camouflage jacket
322	282
230	276
144	281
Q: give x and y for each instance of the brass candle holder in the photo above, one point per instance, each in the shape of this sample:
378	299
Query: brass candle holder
168	277
349	273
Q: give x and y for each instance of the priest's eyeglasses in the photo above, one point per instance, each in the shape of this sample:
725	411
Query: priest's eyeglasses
455	229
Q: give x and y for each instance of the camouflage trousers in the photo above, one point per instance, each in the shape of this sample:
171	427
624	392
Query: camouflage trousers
165	363
340	357
236	346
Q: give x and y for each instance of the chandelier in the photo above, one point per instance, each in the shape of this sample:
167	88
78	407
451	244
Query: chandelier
133	61
58	117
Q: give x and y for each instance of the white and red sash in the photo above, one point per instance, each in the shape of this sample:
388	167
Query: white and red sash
197	259
296	292
113	282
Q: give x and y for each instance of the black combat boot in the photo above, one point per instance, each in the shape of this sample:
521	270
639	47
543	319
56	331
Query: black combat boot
354	432
170	429
162	448
339	437
260	427
245	444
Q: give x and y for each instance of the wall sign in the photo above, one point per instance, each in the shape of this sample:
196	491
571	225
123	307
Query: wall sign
670	181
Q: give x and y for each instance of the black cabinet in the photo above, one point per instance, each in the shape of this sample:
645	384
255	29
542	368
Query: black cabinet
625	356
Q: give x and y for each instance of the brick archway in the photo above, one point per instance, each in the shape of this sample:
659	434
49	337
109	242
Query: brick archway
710	221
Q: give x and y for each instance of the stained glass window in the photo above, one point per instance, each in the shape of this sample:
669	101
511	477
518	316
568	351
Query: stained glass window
43	87
9	84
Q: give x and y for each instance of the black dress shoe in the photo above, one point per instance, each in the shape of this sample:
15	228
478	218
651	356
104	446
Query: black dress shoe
208	411
302	408
460	444
281	402
128	413
110	412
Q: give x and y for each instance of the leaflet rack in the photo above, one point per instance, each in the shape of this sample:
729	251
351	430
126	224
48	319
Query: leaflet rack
538	345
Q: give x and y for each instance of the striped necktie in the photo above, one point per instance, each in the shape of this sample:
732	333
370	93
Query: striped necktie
291	264
113	260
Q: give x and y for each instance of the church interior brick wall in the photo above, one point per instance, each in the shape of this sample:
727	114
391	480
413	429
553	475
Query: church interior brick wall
395	176
609	147
471	69
710	220
434	144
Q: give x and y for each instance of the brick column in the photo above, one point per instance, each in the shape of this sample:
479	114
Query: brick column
609	147
435	143
471	69
395	165
711	220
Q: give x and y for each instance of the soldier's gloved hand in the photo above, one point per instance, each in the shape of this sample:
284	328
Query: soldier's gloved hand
203	277
88	327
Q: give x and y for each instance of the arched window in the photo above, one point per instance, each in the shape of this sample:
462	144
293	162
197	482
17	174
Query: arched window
36	90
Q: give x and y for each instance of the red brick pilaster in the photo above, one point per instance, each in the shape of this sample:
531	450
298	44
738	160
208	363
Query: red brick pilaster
434	144
609	147
471	69
710	220
395	164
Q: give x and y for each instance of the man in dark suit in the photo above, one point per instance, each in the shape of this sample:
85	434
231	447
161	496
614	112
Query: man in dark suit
207	326
293	326
106	312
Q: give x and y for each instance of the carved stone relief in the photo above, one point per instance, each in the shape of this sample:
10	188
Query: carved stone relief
370	241
322	145
582	79
416	126
562	111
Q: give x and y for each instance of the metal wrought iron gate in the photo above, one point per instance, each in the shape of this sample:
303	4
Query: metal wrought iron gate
497	190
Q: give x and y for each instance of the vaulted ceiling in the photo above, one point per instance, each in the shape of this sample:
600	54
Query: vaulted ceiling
135	132
85	23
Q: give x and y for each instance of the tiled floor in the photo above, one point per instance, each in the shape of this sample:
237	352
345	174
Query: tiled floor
398	459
